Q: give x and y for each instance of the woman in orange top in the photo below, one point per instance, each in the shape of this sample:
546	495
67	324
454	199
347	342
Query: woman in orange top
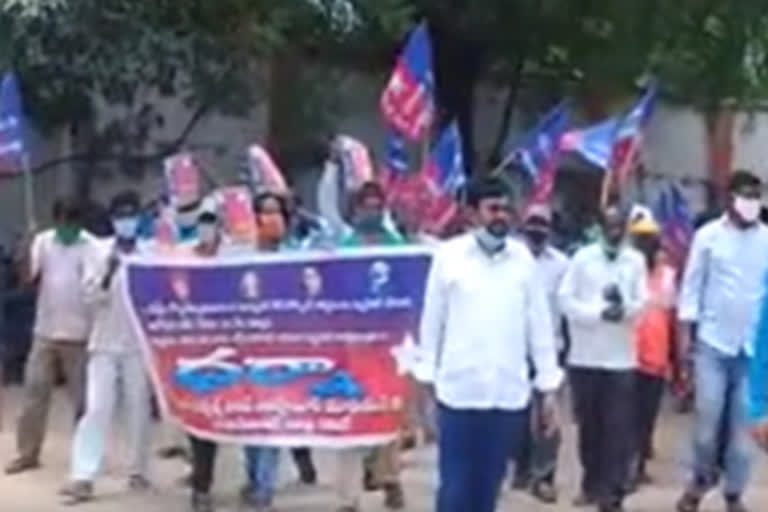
653	337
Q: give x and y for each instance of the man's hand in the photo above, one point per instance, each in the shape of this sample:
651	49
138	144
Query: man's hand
113	264
612	294
613	313
759	432
550	414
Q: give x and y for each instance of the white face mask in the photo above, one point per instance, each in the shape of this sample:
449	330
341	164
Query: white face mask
206	233
747	209
125	228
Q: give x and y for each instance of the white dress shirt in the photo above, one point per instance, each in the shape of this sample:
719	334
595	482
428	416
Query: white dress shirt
61	312
596	343
724	283
484	318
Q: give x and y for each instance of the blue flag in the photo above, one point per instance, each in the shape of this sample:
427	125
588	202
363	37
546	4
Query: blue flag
12	145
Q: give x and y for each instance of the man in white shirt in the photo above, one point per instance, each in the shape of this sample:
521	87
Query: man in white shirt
114	362
536	466
485	317
601	293
58	257
721	292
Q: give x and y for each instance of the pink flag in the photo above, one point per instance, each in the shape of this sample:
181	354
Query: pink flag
237	214
355	161
263	172
182	178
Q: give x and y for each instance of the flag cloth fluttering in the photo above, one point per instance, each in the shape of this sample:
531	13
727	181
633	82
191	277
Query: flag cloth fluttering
593	143
262	171
539	152
444	176
674	216
12	146
408	99
627	142
395	167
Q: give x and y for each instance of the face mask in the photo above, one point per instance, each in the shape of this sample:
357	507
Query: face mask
536	237
271	227
498	228
206	233
489	241
370	222
610	249
67	234
747	209
125	228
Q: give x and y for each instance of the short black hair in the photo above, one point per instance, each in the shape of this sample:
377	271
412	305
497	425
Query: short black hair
741	178
126	198
67	208
485	188
369	189
262	197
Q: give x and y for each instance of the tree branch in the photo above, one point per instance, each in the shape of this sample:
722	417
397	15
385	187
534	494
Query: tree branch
96	156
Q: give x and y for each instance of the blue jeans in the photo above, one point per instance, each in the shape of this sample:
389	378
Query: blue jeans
721	443
473	449
261	469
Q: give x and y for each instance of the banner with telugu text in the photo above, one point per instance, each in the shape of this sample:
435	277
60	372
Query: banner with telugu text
298	349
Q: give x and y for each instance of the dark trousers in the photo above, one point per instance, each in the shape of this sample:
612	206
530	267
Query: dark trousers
203	460
473	449
604	402
302	458
649	391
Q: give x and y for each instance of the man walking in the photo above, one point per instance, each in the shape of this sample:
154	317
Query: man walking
382	464
602	291
114	362
58	257
721	292
536	466
485	316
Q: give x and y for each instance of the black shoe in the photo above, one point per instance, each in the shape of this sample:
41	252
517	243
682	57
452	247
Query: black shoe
201	502
307	475
688	502
584	500
734	504
369	482
21	465
521	482
545	492
394	498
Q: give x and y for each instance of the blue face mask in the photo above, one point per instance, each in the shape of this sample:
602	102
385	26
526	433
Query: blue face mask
126	228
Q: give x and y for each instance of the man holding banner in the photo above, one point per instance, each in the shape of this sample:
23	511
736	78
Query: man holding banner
485	316
114	360
382	465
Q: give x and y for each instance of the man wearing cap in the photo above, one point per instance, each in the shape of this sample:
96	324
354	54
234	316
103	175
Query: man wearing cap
602	292
537	463
653	338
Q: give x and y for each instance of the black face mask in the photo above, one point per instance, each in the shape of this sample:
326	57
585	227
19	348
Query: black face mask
536	236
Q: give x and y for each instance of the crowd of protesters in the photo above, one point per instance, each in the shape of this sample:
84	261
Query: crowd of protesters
509	322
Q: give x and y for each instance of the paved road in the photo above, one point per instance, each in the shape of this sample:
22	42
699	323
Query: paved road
36	492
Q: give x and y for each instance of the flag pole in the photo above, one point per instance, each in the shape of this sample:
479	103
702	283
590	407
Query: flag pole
29	194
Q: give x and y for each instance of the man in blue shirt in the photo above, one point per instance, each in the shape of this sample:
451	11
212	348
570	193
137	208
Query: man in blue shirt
721	293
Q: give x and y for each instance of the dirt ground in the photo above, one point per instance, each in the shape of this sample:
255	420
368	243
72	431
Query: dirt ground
37	491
